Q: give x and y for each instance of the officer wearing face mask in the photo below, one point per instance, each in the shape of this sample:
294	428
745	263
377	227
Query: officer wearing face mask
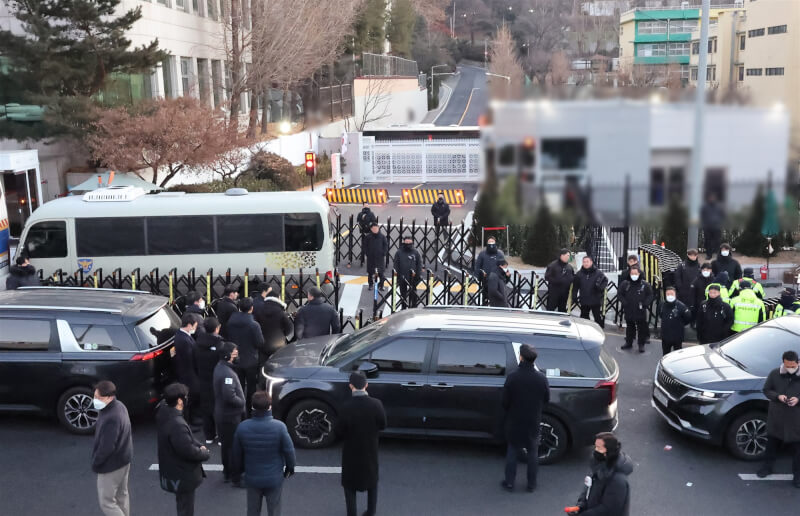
674	317
782	389
606	492
486	263
408	266
725	262
229	405
636	296
714	318
685	274
440	211
787	304
196	304
699	286
185	365
497	285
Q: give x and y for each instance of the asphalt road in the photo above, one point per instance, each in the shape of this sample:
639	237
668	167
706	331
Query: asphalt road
469	99
46	471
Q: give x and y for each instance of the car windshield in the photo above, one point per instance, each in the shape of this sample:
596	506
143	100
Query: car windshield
759	350
354	343
158	328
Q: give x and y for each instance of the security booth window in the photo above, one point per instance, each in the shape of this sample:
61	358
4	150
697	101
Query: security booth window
25	335
302	232
111	236
47	240
563	154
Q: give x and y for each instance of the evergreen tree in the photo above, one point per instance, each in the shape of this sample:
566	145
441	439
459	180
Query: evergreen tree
486	210
400	30
751	242
675	228
541	243
67	53
370	31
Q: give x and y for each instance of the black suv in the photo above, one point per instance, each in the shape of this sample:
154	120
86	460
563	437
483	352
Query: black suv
439	371
713	392
56	343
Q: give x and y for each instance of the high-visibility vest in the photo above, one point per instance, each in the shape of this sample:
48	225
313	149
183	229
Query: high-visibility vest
736	289
723	292
779	310
748	310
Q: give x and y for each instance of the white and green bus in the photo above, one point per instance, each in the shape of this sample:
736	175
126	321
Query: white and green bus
122	227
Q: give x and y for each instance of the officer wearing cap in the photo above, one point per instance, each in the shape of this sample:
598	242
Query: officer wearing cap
787	304
748	309
360	421
748	274
714	318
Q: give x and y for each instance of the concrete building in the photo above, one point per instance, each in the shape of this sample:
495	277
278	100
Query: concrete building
558	144
655	42
726	40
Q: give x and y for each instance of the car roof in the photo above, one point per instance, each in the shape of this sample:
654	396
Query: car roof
462	318
789	322
131	305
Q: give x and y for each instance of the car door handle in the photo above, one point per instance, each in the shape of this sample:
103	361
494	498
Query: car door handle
443	386
412	384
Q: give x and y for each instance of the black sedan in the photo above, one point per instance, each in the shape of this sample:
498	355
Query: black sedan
440	371
713	392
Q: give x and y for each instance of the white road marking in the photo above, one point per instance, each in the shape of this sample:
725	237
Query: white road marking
349	299
752	476
297	469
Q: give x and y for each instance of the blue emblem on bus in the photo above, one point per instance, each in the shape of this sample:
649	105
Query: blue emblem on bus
85	265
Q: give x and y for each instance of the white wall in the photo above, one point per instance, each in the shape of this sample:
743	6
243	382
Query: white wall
388	101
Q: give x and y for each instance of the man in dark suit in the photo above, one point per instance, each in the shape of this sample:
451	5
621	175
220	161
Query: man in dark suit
179	454
497	285
360	421
525	394
185	364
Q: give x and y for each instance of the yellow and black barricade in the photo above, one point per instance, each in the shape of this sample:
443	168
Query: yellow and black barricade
357	195
413	196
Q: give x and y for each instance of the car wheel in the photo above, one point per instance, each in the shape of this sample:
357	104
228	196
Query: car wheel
746	437
75	411
311	424
553	440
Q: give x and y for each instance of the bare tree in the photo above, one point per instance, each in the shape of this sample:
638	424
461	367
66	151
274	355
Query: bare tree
376	102
542	25
505	62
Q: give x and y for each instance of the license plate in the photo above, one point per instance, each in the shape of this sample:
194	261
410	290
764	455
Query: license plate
660	396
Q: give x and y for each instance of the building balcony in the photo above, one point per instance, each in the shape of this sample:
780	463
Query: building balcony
660	60
661	38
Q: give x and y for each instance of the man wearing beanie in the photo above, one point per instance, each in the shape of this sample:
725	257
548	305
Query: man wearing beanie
788	303
559	276
360	421
316	317
715	318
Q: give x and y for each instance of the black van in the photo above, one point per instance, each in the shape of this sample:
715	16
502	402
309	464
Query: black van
440	371
57	342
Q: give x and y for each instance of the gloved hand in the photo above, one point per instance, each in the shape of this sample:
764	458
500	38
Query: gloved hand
288	472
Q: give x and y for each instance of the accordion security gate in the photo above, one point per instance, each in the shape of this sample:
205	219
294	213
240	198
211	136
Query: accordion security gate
419	160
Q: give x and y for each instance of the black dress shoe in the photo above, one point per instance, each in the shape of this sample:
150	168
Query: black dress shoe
626	346
530	489
641	349
508	487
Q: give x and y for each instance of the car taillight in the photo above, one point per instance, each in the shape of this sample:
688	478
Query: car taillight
150	355
611	385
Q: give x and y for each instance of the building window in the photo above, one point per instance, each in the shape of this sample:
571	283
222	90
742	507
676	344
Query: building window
742	40
682	26
676	182
694	73
181	4
204	78
216	82
679	49
773	71
563	154
751	72
163	2
186	76
195	7
211	9
652	50
684	71
778	29
167	69
711	73
712	46
741	73
657	186
653	27
754	33
695	48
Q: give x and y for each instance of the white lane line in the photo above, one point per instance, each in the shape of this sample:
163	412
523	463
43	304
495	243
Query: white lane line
297	469
752	476
349	300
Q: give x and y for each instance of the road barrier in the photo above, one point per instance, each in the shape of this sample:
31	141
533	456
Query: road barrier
453	197
357	195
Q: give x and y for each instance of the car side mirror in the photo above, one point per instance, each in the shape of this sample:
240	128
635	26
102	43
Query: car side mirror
369	369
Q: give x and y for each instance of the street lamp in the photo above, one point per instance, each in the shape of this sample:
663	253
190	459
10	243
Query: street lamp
508	82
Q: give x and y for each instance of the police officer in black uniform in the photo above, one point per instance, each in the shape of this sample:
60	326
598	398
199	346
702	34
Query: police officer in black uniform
408	266
559	276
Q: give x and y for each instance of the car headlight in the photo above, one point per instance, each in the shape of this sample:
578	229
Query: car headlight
273	381
708	395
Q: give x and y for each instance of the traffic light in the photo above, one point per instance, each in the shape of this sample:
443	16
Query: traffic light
311	163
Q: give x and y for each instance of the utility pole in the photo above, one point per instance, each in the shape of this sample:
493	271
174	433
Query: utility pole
696	190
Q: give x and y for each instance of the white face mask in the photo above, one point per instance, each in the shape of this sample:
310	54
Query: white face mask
634	277
791	370
725	253
706	274
99	404
670	299
202	304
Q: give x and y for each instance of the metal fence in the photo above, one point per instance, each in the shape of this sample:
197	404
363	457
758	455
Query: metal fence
387	66
336	101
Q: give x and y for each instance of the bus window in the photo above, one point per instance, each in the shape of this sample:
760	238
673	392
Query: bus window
47	240
117	236
303	231
249	233
180	235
